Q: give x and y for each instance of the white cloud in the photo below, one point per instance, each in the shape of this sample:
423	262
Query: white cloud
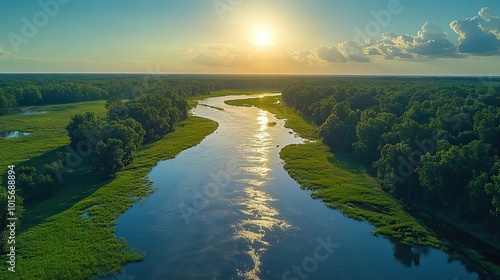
354	51
330	54
478	35
491	22
233	56
431	41
221	55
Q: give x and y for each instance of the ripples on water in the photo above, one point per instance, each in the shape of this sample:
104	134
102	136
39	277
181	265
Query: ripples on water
259	216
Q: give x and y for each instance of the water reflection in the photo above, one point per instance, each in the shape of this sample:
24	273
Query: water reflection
263	120
259	216
13	134
407	255
260	219
33	112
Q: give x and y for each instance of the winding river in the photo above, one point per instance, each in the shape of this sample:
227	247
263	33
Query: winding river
226	209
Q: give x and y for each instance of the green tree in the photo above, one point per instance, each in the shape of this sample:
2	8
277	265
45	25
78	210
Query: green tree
7	102
131	133
85	127
396	168
25	179
333	131
109	157
369	131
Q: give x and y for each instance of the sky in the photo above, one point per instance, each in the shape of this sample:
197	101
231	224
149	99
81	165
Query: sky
328	37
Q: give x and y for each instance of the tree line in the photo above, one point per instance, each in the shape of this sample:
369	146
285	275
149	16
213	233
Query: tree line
41	89
434	143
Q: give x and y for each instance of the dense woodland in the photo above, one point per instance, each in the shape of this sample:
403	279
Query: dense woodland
27	90
434	143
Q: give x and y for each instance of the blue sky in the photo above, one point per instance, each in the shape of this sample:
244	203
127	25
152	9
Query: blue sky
251	36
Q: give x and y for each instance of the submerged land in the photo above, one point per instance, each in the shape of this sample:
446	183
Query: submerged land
68	226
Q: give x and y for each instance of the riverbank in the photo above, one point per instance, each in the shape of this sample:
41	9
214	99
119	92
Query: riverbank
79	242
343	184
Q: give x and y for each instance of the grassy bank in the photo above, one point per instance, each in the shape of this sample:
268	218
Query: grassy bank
342	183
339	181
79	242
192	102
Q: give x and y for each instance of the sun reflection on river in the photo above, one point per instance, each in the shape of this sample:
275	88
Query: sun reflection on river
263	120
259	217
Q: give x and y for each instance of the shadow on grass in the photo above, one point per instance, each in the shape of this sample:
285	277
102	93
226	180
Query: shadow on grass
78	183
346	161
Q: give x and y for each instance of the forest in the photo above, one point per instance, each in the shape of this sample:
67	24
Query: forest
434	143
29	90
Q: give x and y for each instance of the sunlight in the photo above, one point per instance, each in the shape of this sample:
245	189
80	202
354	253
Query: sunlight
263	120
263	37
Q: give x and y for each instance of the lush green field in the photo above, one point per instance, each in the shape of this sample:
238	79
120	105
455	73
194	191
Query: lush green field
48	137
76	240
47	130
339	181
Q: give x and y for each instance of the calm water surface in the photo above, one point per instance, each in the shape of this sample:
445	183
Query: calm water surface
13	134
226	209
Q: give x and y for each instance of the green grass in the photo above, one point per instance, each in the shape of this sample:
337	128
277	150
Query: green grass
353	192
77	184
48	137
194	100
339	181
47	130
66	245
226	92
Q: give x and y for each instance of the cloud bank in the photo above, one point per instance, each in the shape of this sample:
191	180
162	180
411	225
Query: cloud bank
477	36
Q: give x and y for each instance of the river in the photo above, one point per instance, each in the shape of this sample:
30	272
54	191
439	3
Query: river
227	209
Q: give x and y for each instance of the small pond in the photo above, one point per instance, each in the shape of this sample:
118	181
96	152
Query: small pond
13	134
33	112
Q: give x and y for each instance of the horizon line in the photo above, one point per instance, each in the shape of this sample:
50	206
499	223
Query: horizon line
246	74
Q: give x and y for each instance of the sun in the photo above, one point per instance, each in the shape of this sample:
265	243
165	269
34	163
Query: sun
263	37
